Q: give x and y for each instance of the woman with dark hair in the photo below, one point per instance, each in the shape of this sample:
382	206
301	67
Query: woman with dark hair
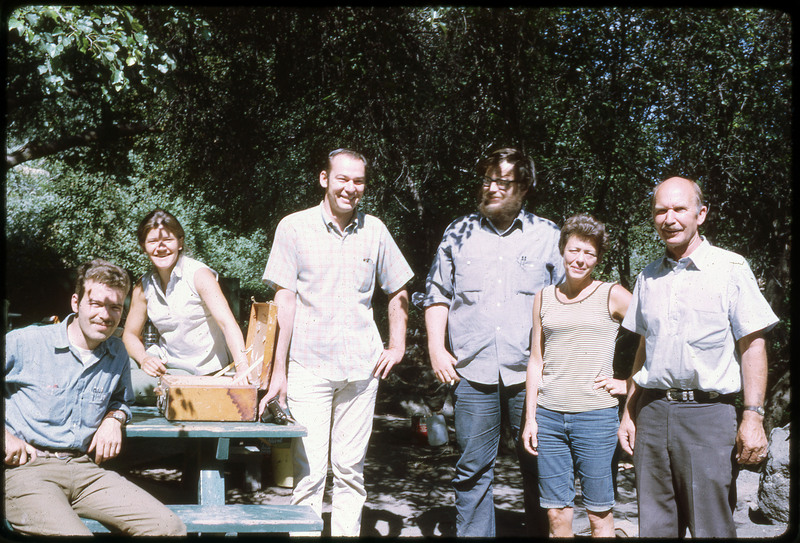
572	413
198	334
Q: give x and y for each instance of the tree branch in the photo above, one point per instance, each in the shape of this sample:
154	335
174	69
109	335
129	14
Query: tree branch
35	150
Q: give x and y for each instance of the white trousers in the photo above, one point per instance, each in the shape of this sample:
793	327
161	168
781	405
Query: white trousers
338	416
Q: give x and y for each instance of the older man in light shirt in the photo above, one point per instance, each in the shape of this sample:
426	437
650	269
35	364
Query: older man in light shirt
702	320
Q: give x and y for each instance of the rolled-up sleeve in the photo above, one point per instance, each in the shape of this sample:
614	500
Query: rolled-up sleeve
122	397
439	283
281	269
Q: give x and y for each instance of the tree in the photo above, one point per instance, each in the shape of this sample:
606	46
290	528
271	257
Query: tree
77	76
237	123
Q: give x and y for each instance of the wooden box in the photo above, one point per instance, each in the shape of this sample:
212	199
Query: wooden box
208	398
216	398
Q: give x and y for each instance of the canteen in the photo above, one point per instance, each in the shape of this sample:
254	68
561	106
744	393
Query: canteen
437	429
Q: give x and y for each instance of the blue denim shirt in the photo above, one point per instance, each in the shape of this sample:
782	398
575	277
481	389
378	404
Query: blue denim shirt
489	279
50	398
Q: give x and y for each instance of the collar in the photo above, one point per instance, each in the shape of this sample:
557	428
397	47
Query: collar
699	258
62	341
357	221
177	271
518	221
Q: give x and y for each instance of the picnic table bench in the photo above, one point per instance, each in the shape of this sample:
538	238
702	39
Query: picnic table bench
212	514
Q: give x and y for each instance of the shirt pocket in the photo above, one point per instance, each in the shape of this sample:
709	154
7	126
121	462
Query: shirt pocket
364	274
530	276
709	331
52	406
95	405
470	276
708	317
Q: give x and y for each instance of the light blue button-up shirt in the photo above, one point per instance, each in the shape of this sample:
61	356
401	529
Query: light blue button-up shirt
51	398
691	313
489	279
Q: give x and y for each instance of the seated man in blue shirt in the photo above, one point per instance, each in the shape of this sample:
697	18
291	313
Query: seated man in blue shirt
66	392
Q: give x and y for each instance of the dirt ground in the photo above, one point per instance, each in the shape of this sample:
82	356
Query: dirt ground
409	492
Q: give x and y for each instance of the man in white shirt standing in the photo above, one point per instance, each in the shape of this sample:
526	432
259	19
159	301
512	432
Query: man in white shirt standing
323	265
702	320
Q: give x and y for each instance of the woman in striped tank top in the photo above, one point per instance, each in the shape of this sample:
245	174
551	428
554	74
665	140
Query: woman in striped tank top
571	405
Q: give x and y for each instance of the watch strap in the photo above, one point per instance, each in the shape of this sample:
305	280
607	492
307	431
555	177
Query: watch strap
117	415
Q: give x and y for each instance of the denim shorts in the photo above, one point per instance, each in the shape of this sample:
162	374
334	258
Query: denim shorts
577	443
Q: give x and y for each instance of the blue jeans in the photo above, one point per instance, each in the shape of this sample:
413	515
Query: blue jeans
583	442
479	412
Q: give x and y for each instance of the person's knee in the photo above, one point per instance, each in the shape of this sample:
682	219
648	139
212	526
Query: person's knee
167	525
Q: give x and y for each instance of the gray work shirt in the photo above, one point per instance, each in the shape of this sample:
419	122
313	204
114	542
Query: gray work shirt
691	313
489	279
51	398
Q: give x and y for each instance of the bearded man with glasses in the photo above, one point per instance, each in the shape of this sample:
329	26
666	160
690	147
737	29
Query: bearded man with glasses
479	292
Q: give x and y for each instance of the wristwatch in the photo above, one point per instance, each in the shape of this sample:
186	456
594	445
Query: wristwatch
119	416
757	408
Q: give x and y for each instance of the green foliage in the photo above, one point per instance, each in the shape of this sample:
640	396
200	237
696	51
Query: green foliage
608	101
112	37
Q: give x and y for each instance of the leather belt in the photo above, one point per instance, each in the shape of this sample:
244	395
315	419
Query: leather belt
700	396
61	455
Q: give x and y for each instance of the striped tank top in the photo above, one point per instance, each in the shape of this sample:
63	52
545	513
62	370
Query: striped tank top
579	339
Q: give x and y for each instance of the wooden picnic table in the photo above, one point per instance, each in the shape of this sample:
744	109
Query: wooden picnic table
211	514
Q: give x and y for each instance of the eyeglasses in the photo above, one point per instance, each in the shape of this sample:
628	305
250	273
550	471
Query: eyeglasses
502	184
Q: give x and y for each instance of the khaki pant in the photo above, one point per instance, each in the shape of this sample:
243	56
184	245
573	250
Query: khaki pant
338	416
48	495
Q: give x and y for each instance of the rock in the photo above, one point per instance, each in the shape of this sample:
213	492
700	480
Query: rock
778	403
773	491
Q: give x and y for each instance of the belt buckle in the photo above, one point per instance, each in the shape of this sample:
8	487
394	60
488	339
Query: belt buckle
62	455
670	394
678	395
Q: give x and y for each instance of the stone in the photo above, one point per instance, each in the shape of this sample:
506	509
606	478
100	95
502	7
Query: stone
773	489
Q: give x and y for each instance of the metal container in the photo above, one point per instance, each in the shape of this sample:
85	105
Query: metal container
436	427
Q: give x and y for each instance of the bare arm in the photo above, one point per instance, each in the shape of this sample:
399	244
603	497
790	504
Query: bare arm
398	321
751	440
132	335
627	425
286	300
443	363
211	294
618	300
533	379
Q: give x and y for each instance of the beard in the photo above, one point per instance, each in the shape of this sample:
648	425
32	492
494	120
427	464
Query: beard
502	212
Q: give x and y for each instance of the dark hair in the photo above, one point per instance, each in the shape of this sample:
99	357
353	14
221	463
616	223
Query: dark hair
586	227
336	152
524	169
155	219
103	272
